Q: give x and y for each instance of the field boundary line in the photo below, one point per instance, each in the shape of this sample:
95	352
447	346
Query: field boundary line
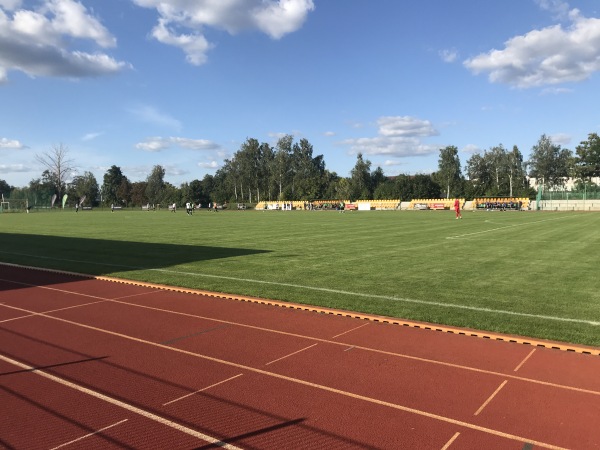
588	350
315	288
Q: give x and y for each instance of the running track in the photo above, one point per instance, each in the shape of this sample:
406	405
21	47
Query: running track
93	363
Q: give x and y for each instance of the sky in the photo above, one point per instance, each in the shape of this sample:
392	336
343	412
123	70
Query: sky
184	83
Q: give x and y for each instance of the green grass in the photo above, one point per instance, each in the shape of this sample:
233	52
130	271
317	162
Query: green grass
527	273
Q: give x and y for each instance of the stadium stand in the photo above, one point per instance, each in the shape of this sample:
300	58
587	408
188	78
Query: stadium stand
501	203
434	203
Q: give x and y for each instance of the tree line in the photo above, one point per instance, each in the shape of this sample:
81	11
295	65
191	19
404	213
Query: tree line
291	171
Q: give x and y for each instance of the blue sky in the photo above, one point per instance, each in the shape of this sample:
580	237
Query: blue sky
183	83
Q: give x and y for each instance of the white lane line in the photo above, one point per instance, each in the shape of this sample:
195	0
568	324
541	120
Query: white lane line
89	435
121	404
51	311
490	398
526	358
291	354
349	331
316	386
326	341
452	439
201	390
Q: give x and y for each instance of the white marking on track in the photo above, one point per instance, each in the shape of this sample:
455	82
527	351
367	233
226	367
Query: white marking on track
291	354
490	398
89	435
122	404
524	360
202	390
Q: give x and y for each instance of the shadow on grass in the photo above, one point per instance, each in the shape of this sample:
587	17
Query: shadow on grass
100	256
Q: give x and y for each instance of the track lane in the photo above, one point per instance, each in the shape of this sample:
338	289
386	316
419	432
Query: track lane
284	342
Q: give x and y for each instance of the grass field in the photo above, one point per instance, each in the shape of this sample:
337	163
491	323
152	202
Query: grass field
527	273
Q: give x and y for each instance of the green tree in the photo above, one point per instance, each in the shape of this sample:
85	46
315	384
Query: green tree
479	176
5	189
360	179
449	174
113	179
549	163
587	161
85	186
308	172
138	193
518	184
124	192
155	183
280	166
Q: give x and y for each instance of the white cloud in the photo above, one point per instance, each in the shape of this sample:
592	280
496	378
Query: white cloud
10	143
150	114
91	136
157	144
471	148
208	165
11	168
560	139
329	133
448	55
559	8
398	136
276	18
405	126
549	56
37	41
10	5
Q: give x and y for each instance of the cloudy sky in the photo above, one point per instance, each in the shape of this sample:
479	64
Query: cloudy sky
183	83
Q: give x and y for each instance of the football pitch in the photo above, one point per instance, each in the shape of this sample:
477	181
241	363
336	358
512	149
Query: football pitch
528	273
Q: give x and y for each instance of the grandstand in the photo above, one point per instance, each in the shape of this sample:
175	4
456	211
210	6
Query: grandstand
434	203
501	203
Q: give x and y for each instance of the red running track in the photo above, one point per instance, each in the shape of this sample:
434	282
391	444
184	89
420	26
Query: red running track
89	363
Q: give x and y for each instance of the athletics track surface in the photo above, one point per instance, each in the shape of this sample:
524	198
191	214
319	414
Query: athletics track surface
96	364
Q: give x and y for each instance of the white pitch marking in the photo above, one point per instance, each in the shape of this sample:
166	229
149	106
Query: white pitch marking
349	293
504	227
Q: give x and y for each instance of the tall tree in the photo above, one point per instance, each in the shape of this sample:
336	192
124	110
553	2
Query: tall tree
155	184
449	174
308	171
587	162
360	179
113	179
59	167
5	188
85	185
138	193
549	163
479	175
516	172
281	163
